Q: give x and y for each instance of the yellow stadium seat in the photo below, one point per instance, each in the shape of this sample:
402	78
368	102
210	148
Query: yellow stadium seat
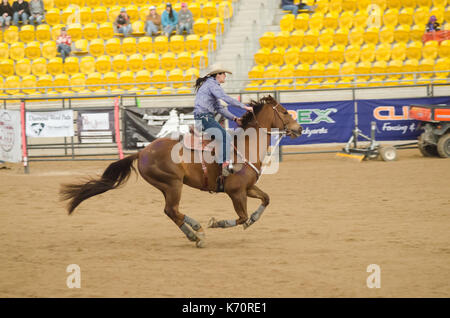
267	40
133	12
292	55
367	53
126	77
335	6
414	50
386	35
4	50
439	13
430	50
49	49
363	69
94	80
39	66
360	19
286	73
417	32
44	81
341	36
11	34
168	61
136	62
90	31
184	90
129	46
11	83
176	43
56	31
61	4
32	51
383	52
17	51
161	44
87	65
287	22
195	9
441	68
410	66
332	20
421	15
85	15
272	73
390	18
43	33
399	51
424	3
302	70
200	60
166	90
71	65
409	3
106	31
23	67
113	12
332	69
262	56
143	79
208	43
444	49
318	69
296	38
322	6
138	28
372	35
61	80
103	64
96	47
77	82
405	16
401	33
27	33
281	40
144	45
356	36
28	83
158	78
120	63
276	56
216	26
322	54
176	75
75	32
394	66
311	38
301	22
151	62
192	43
209	10
81	47
306	55
345	20
55	66
337	53
349	5
53	16
69	15
184	60
113	47
352	53
326	37
348	68
100	15
108	3
191	74
258	71
440	3
200	26
225	10
382	4
426	65
316	21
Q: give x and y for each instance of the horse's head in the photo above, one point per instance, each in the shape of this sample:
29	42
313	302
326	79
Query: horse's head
268	113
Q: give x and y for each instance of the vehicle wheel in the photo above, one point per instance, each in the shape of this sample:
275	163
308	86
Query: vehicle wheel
443	146
427	150
388	153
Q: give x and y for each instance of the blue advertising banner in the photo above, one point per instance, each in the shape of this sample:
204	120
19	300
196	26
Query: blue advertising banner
322	122
392	118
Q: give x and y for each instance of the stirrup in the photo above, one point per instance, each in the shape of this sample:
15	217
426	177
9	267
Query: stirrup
227	169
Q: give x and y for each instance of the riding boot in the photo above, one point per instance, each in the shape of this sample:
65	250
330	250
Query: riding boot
227	168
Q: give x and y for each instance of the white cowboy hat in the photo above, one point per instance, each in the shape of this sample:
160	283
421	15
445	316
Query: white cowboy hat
216	69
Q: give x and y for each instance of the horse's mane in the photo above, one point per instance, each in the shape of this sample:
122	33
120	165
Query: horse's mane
257	107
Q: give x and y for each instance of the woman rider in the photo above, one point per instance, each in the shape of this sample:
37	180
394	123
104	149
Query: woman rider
207	105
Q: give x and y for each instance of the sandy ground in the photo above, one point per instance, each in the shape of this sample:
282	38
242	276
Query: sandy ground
327	221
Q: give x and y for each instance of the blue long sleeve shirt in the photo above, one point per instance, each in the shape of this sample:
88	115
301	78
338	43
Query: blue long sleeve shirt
165	20
207	100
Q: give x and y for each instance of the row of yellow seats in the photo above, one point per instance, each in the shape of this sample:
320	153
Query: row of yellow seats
391	17
102	64
353	53
80	82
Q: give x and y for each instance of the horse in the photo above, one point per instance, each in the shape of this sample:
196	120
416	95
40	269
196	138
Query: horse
156	165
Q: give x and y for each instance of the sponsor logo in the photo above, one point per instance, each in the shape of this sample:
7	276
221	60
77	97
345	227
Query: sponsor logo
6	132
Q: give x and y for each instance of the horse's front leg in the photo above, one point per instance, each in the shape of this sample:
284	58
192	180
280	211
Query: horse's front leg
239	199
255	192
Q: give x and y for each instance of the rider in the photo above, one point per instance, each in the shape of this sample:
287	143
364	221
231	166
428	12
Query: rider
207	104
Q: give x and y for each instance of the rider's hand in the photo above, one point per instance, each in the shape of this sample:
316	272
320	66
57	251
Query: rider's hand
239	121
248	108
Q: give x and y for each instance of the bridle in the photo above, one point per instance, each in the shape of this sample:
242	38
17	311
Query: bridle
276	111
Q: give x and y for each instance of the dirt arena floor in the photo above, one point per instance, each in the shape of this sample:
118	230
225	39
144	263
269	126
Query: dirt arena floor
328	220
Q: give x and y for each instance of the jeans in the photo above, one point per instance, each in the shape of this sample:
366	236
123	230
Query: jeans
184	26
17	17
208	122
125	30
36	19
168	29
5	21
294	8
65	50
151	28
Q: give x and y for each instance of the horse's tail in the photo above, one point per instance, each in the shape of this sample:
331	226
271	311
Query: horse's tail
115	175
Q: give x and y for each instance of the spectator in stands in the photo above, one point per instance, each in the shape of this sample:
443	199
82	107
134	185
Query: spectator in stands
185	19
36	11
123	23
169	20
6	13
433	25
153	23
64	43
21	12
290	6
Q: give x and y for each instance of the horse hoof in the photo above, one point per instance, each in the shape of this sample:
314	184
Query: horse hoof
212	222
200	243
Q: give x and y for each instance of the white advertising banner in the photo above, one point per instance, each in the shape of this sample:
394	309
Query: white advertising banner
10	136
50	124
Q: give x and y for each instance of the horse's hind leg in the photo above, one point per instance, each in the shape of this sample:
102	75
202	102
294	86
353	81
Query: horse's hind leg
255	192
173	196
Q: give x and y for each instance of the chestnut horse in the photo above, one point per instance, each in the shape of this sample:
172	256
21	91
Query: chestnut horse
157	167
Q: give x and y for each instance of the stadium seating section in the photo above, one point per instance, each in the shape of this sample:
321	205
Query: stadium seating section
347	37
29	57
